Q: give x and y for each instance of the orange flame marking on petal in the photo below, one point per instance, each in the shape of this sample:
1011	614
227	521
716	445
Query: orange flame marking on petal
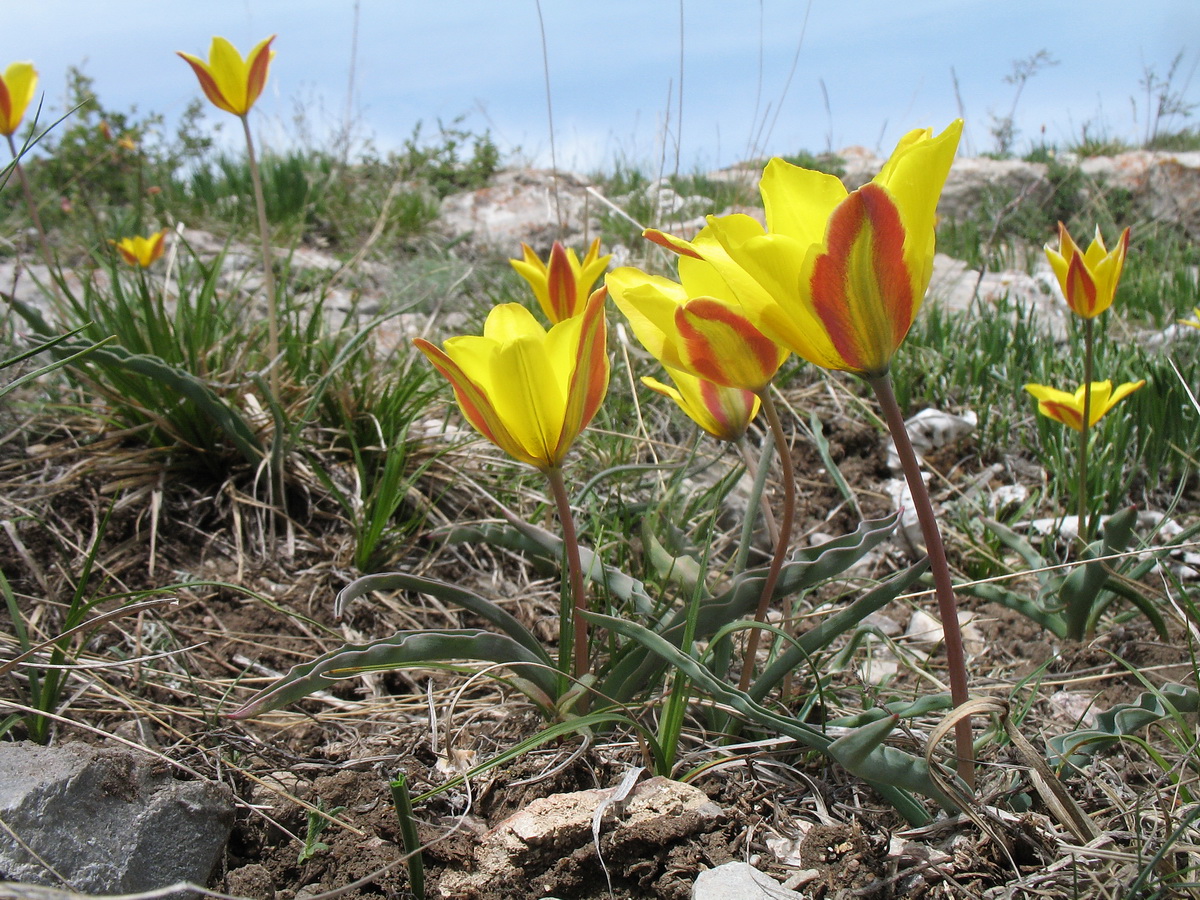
1081	287
713	365
1064	413
861	284
589	381
257	78
6	126
471	400
674	244
208	84
560	283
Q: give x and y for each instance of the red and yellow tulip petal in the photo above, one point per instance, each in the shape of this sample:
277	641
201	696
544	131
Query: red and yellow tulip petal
207	83
590	370
474	402
862	288
725	413
561	286
257	64
720	345
17	88
1080	288
670	242
648	303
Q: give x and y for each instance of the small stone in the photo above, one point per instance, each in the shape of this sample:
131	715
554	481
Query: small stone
739	881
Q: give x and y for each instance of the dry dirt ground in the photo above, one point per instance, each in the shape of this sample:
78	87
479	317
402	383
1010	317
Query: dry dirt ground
792	814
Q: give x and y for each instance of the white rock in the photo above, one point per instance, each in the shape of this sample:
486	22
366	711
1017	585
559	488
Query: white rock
739	881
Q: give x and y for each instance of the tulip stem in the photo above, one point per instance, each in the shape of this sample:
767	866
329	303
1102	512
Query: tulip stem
939	567
43	243
1081	500
785	533
579	639
264	235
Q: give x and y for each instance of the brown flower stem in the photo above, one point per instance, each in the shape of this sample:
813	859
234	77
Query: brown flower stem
939	567
785	534
581	664
1081	500
43	243
264	235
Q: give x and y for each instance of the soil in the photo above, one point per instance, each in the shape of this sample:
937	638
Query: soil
257	614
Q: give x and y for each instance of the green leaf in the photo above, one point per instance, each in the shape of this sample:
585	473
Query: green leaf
727	694
408	648
813	566
1111	725
820	636
485	609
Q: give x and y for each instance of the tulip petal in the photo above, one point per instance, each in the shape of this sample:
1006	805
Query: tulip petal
257	64
473	401
782	183
725	413
17	88
721	345
590	371
861	287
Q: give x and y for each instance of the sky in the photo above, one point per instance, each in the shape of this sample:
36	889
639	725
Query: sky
759	77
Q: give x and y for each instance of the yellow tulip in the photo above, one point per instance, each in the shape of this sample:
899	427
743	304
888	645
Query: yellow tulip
723	412
230	82
1067	408
1193	323
696	325
527	390
142	251
562	284
1088	279
16	91
836	277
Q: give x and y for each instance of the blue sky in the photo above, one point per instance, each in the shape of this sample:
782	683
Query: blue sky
615	68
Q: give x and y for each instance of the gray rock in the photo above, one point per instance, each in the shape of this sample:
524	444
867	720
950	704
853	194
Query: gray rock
522	205
106	821
739	881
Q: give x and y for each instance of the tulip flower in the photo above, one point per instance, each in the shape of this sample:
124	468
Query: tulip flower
16	91
837	277
1088	279
527	390
1192	323
233	84
563	284
142	251
230	82
696	325
1067	408
723	412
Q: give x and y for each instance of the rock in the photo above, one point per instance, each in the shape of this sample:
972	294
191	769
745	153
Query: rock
739	881
522	205
107	821
655	812
924	633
